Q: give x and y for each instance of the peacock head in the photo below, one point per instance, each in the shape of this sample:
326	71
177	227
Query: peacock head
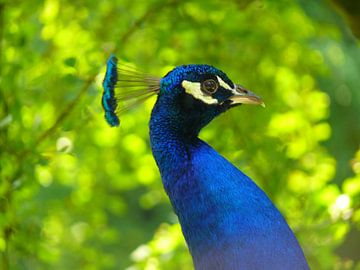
189	96
194	94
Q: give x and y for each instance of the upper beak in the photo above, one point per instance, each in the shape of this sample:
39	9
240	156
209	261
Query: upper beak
244	96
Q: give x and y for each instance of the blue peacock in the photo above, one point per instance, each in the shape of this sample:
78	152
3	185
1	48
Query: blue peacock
228	222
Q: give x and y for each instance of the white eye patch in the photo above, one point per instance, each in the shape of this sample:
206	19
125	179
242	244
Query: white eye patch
194	89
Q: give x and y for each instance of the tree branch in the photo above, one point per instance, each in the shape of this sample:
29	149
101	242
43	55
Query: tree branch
351	11
146	16
21	157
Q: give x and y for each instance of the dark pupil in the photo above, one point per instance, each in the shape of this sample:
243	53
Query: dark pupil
210	86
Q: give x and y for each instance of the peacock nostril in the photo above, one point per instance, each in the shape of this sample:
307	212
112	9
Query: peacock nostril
241	89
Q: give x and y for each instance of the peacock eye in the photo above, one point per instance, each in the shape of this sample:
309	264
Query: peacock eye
209	86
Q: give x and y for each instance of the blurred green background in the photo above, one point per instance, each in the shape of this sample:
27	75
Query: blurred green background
77	194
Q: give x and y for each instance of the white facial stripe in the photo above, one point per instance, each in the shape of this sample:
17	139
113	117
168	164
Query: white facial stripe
194	89
224	84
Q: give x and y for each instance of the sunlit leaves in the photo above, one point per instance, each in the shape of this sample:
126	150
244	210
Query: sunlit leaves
87	196
163	251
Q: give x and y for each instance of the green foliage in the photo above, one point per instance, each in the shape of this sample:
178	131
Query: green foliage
76	194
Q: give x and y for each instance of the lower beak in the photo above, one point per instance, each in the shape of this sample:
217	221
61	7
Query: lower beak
244	96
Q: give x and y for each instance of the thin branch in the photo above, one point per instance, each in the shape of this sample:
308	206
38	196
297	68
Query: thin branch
61	118
137	24
146	16
68	110
65	112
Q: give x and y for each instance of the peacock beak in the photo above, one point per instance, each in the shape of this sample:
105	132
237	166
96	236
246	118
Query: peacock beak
244	96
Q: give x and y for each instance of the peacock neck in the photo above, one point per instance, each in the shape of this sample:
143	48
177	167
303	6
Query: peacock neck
201	202
170	139
227	221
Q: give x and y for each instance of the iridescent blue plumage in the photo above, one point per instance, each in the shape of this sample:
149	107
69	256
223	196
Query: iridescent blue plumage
191	73
227	220
109	101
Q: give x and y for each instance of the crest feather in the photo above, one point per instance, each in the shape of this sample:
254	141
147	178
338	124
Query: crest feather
124	88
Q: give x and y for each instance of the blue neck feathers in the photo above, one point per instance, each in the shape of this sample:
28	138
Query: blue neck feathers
227	221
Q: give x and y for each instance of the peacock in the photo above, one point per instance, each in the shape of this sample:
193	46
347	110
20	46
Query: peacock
228	222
